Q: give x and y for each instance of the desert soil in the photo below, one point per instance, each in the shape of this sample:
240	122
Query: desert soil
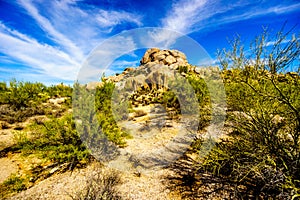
142	176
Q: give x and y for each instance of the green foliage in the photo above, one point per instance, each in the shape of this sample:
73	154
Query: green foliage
260	157
3	87
20	100
59	90
21	95
21	137
204	100
183	69
55	140
105	116
13	184
170	100
93	110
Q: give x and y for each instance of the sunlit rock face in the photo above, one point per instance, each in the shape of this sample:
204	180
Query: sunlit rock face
171	58
156	67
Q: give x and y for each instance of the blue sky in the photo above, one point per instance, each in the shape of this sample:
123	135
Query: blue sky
47	41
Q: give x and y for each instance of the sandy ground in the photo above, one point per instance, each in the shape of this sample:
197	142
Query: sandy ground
138	182
141	165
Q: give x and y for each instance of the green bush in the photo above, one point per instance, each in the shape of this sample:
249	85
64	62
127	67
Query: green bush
93	111
59	90
13	184
20	100
105	116
260	157
55	140
21	95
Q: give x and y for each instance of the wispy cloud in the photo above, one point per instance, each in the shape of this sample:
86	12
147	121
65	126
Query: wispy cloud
188	16
73	29
195	15
183	15
109	19
40	57
254	13
48	27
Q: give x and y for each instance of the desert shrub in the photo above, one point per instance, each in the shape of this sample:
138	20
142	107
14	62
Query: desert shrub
3	90
94	112
100	185
20	100
55	140
13	184
169	100
103	98
198	85
59	90
21	95
8	114
260	157
204	99
3	86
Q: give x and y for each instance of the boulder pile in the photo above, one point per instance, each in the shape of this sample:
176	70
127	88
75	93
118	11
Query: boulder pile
171	58
156	66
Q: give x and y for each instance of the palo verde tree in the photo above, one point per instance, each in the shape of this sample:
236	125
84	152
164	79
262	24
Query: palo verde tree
261	156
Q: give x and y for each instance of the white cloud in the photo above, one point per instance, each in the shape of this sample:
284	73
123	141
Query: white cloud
188	16
162	37
75	30
183	15
47	26
39	56
194	15
108	19
254	13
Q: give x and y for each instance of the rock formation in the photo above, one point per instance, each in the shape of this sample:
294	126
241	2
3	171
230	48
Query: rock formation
171	58
153	65
156	66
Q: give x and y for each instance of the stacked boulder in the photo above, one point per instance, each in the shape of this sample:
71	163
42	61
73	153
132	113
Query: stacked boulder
150	71
171	58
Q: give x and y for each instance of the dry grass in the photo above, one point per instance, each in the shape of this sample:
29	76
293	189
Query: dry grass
100	185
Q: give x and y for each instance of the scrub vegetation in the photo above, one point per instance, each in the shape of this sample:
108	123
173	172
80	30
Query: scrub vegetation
258	157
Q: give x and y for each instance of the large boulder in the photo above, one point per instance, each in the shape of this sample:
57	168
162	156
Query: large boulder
155	66
173	58
147	57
